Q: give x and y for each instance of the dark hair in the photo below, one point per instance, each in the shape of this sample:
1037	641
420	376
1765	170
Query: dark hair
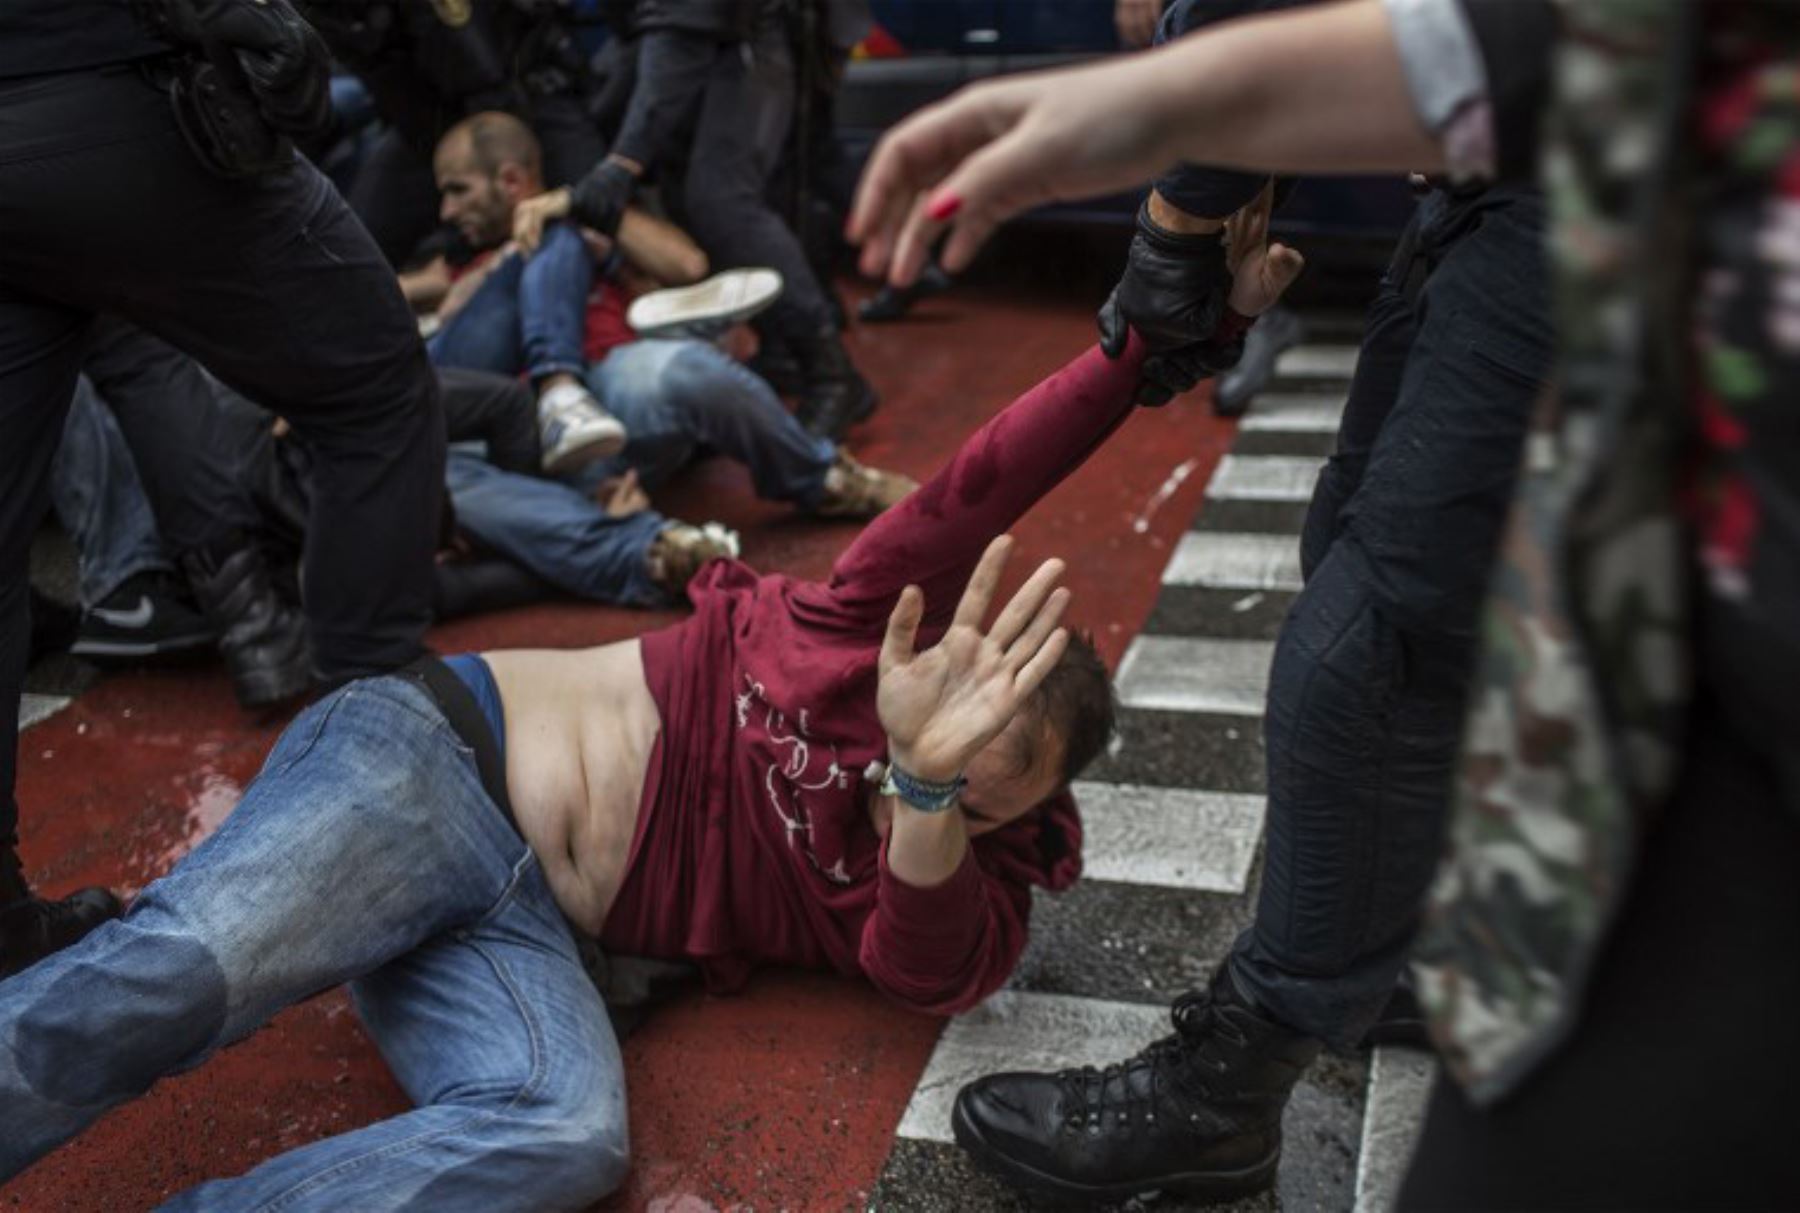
1076	702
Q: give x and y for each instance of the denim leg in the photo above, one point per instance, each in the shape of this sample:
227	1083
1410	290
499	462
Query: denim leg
675	396
95	488
553	294
366	835
1367	688
485	334
498	1036
556	532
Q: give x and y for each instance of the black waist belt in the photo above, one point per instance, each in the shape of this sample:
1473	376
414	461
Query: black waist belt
469	722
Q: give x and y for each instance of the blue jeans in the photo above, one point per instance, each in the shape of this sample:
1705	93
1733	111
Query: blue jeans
674	397
100	500
1368	686
529	314
366	851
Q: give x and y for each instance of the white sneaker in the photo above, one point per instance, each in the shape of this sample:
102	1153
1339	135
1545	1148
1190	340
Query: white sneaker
574	431
707	308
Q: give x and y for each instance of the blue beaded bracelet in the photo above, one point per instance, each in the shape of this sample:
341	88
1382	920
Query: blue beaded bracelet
922	794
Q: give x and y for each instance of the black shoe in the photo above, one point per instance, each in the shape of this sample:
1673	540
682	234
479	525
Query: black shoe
836	395
893	302
32	928
1198	1113
53	627
144	617
1274	332
484	583
262	638
1402	1021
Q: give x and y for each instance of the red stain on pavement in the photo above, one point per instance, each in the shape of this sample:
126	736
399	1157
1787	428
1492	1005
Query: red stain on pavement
783	1097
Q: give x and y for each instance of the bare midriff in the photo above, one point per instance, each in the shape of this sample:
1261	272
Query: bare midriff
580	728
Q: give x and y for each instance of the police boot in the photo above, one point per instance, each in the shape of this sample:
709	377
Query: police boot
32	928
1198	1112
836	396
262	638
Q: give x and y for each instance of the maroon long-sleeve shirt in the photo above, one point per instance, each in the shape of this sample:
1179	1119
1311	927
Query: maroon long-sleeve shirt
754	840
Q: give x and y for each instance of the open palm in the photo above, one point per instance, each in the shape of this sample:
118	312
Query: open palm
941	706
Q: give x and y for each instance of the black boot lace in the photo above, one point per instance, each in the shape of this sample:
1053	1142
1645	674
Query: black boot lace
1135	1090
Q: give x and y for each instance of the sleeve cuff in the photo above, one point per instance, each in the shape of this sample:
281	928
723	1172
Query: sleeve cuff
931	911
1441	59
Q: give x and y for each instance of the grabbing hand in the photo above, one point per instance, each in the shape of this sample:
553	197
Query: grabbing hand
996	149
532	215
599	199
1172	293
941	706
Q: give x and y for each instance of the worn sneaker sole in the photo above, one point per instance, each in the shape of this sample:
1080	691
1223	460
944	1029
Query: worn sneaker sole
722	299
603	446
1208	1186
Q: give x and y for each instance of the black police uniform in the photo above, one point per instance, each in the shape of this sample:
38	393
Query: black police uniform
268	280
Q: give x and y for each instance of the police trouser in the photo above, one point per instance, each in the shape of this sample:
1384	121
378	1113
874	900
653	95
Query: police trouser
1370	675
743	125
273	285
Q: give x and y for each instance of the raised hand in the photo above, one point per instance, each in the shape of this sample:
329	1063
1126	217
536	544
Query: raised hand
941	706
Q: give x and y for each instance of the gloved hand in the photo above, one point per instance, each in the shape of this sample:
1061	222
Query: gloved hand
284	60
1172	292
599	199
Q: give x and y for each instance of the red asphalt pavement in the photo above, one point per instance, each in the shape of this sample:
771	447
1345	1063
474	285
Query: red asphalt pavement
783	1097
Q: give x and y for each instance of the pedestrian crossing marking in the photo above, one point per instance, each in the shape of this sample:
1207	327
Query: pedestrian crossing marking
1195	674
1176	838
1316	362
1399	1087
36	708
1235	560
1019	1030
1295	413
1264	478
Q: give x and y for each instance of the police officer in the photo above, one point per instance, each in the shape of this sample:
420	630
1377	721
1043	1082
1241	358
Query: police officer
145	170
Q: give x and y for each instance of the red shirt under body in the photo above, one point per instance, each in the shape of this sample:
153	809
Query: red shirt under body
754	842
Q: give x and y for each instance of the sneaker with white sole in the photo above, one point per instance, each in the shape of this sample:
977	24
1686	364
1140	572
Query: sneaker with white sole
574	431
681	548
707	308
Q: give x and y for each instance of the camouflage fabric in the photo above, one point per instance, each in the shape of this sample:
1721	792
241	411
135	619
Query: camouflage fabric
1574	729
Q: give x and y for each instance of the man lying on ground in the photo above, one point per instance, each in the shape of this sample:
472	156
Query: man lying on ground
785	777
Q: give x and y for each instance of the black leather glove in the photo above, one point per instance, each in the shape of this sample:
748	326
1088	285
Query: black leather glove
284	61
1172	292
599	199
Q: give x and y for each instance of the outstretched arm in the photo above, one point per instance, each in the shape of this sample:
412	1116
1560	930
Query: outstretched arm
1318	89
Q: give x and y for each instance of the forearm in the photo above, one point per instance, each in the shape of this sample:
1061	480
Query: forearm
1318	90
659	249
925	849
673	68
424	288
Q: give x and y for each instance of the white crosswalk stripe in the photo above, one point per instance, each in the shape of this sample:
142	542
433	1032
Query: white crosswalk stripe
1016	1030
1176	838
1264	478
1295	413
35	708
1229	560
1195	674
1317	362
1399	1087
